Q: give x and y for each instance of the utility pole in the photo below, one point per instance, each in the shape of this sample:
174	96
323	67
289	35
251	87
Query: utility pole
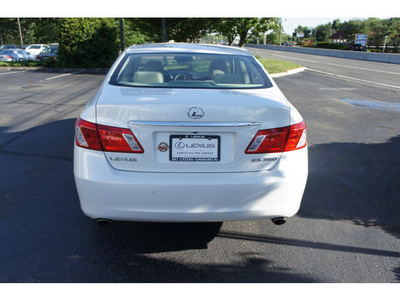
164	30
121	34
20	33
280	33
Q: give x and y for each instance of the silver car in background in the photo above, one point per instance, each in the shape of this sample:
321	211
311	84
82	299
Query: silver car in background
15	55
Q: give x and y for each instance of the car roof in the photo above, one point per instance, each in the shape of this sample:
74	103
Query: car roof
187	48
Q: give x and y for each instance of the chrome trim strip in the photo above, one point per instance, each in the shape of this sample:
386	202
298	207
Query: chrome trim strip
193	124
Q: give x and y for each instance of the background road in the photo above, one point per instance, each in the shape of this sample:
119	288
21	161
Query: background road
347	230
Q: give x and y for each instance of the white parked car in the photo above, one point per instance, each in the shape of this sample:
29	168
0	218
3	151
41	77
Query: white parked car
189	133
35	49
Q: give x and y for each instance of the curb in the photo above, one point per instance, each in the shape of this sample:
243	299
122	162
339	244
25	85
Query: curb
288	72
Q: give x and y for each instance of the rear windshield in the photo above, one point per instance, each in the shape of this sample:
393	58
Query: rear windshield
189	71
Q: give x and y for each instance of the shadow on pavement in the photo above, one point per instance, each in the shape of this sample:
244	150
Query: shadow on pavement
357	182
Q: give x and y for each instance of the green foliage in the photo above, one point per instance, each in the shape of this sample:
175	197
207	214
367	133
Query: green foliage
304	29
332	46
273	38
88	42
245	28
323	32
140	31
34	30
187	29
227	27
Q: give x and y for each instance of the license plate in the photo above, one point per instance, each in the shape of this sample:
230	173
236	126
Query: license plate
195	148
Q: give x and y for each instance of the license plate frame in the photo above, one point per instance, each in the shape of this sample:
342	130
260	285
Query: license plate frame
194	148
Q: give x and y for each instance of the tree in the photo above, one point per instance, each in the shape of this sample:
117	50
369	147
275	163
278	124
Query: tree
252	27
394	27
140	31
323	32
354	26
304	29
273	38
227	27
187	29
245	28
9	31
335	24
88	42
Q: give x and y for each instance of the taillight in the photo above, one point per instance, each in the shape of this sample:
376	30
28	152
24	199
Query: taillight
279	139
106	138
297	138
86	135
116	139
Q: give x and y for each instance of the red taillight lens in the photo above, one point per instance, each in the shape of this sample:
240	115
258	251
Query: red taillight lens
279	139
106	138
297	138
118	139
268	141
86	135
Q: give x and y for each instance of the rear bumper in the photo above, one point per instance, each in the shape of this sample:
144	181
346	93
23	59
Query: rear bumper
105	192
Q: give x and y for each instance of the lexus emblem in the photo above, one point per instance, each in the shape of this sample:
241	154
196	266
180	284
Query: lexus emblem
195	113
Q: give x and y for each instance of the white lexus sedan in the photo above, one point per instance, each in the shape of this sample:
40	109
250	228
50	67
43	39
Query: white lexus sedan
189	133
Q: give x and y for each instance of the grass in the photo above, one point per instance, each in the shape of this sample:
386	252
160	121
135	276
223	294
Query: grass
277	66
29	63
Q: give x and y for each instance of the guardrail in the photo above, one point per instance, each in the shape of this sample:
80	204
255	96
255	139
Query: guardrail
378	57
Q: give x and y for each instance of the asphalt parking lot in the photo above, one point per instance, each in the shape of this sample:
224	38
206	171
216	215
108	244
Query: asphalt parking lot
347	230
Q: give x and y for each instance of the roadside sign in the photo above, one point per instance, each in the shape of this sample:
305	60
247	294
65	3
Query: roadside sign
361	39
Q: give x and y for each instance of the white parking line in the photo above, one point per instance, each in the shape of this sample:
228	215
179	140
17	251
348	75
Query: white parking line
12	72
355	79
58	76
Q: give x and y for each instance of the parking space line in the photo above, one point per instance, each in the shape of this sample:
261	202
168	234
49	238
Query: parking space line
12	72
58	76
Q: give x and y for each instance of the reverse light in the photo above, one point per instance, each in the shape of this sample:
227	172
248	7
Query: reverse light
106	138
281	139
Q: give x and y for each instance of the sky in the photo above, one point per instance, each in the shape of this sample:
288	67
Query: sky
207	8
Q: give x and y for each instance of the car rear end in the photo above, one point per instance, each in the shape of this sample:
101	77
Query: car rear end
6	55
199	149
